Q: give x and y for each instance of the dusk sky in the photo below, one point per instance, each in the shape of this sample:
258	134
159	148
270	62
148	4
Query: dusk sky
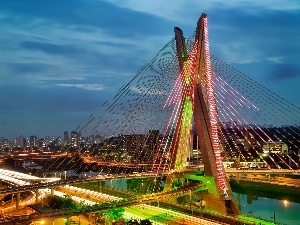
61	59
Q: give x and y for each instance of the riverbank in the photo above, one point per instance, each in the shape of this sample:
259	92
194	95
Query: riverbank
271	190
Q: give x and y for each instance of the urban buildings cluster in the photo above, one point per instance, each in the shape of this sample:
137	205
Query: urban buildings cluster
273	145
34	142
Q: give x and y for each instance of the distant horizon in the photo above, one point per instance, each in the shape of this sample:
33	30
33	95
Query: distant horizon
69	132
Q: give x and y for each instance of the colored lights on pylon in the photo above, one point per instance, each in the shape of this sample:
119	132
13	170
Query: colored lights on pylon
212	108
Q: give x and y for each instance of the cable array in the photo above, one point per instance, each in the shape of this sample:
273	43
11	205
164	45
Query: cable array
136	127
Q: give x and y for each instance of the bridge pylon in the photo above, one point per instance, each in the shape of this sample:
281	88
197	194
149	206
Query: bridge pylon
198	103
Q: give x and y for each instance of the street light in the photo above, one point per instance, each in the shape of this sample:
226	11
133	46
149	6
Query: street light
191	206
274	218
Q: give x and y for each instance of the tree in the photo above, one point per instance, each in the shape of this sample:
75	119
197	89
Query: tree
111	216
56	202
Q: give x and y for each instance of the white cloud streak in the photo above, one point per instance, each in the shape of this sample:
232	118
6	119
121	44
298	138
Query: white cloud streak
91	87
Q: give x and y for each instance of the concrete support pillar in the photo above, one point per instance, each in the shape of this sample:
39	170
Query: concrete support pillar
99	186
18	200
52	191
36	196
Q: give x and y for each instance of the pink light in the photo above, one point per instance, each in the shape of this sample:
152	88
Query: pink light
212	108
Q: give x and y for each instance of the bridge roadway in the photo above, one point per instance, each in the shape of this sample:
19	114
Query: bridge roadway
112	202
261	171
32	183
28	184
146	210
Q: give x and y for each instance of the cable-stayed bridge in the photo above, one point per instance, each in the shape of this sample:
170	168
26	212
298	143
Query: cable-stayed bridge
187	108
249	115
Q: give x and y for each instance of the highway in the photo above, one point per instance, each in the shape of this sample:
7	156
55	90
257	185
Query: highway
132	212
261	171
135	207
283	181
40	183
99	201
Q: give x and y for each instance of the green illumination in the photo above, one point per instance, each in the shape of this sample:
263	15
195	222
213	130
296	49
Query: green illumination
186	123
187	80
186	71
187	113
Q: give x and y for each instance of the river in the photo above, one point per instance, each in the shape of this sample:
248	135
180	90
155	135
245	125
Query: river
285	212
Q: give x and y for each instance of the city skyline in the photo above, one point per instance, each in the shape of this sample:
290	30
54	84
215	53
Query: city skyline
61	64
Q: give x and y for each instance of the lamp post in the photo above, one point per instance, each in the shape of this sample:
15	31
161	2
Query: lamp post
274	218
191	206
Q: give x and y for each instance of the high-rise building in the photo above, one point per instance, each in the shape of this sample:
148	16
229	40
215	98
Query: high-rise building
75	138
42	143
152	144
4	143
59	141
134	144
33	142
20	142
66	137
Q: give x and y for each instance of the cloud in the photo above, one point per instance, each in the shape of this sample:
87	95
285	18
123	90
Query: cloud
241	37
178	9
91	87
52	49
240	31
239	52
49	47
275	59
285	71
28	68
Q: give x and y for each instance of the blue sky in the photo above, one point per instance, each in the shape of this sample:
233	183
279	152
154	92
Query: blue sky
61	59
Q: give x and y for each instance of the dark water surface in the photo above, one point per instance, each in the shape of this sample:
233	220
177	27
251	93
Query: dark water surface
285	212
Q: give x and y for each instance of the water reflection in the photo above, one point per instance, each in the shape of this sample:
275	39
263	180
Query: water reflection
282	211
285	203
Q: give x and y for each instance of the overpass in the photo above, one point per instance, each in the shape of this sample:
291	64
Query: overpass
40	183
141	203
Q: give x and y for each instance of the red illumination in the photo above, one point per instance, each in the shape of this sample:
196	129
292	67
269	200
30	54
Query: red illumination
213	112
